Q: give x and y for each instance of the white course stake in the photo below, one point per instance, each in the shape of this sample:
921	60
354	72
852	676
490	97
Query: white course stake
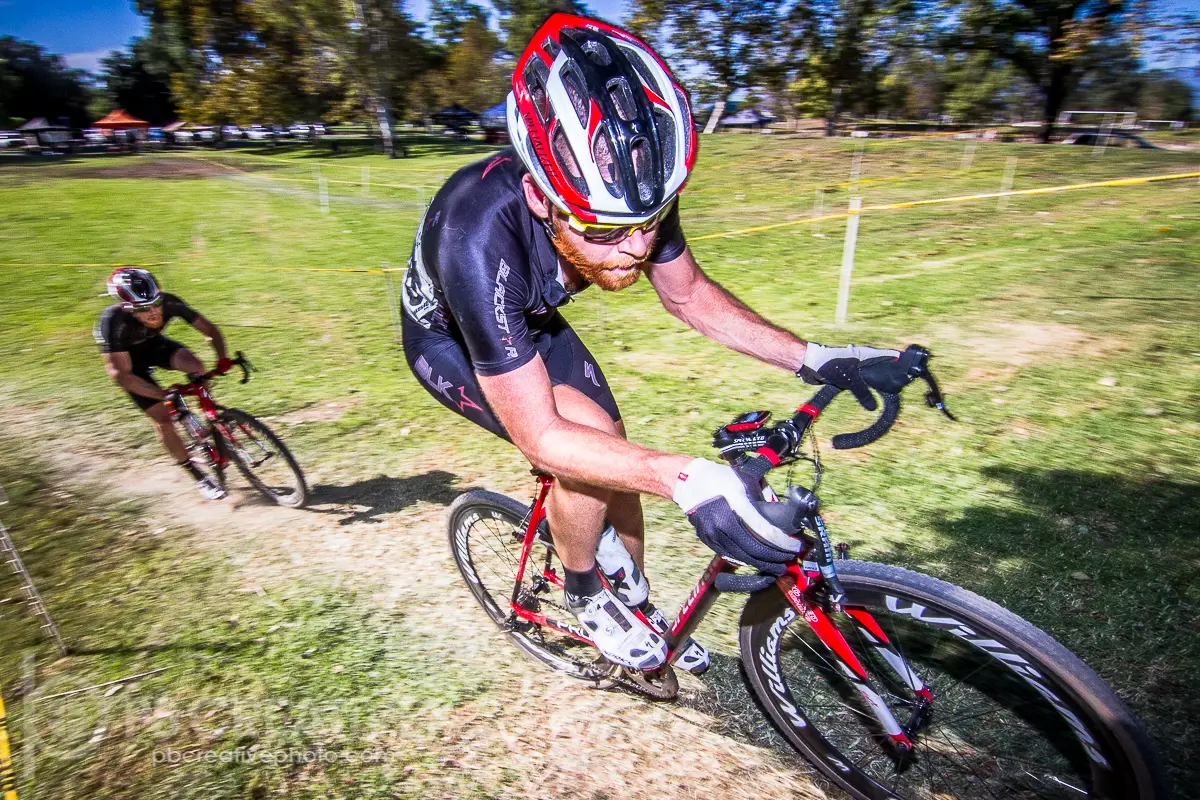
856	168
818	211
851	242
366	180
968	157
1102	139
1006	183
323	195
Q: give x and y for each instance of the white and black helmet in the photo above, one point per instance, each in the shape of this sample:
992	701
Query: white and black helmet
135	288
599	121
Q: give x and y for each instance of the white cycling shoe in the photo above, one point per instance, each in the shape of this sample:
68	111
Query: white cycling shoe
210	489
617	632
631	588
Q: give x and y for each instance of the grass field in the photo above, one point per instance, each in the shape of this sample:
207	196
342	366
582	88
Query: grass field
1066	333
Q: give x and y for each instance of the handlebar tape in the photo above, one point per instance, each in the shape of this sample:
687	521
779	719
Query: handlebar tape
748	584
891	409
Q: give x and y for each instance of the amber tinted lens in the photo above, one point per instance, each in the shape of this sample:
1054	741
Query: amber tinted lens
599	235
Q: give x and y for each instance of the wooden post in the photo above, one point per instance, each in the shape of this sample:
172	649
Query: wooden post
843	301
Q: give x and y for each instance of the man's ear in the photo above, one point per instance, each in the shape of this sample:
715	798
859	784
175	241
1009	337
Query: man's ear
534	198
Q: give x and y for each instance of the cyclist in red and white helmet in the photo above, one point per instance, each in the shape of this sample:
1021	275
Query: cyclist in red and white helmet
602	144
129	333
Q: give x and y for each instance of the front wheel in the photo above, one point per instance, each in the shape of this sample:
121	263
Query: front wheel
1014	713
262	458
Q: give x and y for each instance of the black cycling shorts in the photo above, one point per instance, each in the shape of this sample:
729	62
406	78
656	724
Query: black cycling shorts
154	353
441	362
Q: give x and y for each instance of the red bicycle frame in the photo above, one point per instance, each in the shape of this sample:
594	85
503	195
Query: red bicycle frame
796	584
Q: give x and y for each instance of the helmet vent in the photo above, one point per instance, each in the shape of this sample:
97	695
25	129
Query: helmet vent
551	47
643	72
666	139
597	52
622	99
566	160
686	110
536	75
606	161
574	85
643	171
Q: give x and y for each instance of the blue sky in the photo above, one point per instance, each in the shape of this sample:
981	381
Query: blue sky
84	31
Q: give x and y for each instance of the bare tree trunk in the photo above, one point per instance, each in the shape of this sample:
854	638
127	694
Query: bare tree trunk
378	98
1056	93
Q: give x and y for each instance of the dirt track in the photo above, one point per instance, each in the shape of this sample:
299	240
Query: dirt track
534	734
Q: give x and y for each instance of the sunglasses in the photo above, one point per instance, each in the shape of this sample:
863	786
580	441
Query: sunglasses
148	306
605	233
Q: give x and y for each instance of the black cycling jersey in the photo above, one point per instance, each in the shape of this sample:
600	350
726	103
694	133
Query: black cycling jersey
119	331
484	272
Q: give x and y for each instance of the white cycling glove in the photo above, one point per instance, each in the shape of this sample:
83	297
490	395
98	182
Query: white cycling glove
716	499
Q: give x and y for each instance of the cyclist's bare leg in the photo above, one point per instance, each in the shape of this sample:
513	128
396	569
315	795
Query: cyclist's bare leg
577	510
625	515
160	416
185	361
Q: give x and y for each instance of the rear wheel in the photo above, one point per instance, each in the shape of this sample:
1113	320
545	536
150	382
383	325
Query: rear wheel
1014	713
262	458
486	534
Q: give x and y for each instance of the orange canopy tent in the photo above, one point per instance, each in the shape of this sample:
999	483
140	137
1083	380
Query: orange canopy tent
120	121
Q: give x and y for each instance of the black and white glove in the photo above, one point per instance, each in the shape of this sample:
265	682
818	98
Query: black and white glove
841	367
716	499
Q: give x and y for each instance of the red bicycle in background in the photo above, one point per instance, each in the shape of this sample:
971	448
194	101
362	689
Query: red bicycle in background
893	684
218	437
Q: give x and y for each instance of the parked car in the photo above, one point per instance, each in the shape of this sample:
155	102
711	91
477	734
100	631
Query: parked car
318	129
205	134
231	132
1110	139
94	136
11	139
299	130
182	137
258	133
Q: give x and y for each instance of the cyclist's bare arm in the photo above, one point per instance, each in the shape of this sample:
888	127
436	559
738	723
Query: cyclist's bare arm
120	367
706	306
212	333
524	402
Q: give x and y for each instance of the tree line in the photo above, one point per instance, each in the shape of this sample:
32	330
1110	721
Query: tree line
279	61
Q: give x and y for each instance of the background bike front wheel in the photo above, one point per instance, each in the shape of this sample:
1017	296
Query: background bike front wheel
262	458
1015	714
486	533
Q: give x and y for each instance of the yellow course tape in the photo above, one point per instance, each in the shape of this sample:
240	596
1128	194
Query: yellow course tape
8	780
1176	176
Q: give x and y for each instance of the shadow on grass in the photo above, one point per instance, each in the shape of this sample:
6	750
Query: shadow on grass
385	495
1108	565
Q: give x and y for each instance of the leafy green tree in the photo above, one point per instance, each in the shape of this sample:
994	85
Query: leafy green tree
449	18
131	82
473	75
519	19
1164	97
1045	40
34	83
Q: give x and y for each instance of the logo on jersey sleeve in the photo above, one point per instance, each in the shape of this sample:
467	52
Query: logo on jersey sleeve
498	297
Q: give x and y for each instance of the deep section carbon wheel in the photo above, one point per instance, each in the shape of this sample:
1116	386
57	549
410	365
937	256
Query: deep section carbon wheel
1014	713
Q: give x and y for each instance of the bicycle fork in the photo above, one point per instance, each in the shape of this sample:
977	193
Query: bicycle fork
794	584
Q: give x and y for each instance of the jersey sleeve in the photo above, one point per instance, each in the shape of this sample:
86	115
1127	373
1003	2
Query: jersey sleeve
175	307
486	281
671	242
106	333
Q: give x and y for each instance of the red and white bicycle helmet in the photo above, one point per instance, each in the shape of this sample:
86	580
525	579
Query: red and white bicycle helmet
135	288
600	122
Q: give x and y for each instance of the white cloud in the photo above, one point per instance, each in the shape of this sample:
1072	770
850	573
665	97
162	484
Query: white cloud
89	60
